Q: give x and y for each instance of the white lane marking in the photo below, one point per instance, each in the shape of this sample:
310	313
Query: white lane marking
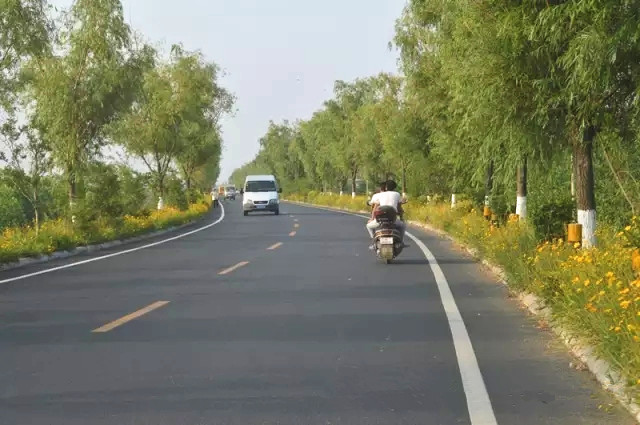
475	391
478	402
115	254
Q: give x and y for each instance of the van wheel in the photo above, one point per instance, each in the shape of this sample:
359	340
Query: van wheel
246	213
277	212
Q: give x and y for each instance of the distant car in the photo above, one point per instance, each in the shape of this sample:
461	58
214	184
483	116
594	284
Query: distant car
230	192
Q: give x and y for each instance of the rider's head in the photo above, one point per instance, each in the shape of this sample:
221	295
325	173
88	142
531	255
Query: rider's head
391	185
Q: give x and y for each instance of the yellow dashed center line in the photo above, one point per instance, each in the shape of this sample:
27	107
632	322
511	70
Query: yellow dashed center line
296	225
129	317
292	233
232	268
275	246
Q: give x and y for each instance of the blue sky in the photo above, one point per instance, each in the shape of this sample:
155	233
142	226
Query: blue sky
280	57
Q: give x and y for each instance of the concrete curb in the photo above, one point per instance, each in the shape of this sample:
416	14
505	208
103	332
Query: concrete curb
607	376
28	261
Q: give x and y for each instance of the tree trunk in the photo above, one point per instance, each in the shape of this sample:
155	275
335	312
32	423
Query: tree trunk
573	177
585	189
404	180
161	192
36	211
488	187
188	184
343	181
521	195
353	185
72	192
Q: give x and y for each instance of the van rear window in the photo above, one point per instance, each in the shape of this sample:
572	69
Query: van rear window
260	186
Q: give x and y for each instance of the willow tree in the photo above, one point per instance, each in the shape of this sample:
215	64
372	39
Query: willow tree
84	84
24	32
593	55
202	103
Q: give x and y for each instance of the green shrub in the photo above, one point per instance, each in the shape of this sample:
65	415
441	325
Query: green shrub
549	219
11	209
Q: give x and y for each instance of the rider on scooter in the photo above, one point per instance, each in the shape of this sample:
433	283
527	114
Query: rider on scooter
387	197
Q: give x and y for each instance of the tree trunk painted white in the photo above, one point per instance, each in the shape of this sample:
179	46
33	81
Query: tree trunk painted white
353	194
341	192
588	220
585	186
521	189
453	200
521	207
160	203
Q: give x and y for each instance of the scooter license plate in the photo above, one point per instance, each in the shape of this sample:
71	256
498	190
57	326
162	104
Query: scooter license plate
386	241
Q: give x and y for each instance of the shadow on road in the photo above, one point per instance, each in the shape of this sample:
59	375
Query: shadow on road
325	213
440	261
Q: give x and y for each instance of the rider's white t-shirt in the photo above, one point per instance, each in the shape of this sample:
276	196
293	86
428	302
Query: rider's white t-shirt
388	198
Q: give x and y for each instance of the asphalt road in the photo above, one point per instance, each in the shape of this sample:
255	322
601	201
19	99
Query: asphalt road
215	328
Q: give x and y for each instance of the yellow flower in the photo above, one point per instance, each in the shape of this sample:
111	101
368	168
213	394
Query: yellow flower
617	329
625	304
587	282
631	327
576	245
624	291
636	338
576	279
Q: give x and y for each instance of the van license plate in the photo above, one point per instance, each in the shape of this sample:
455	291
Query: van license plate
386	241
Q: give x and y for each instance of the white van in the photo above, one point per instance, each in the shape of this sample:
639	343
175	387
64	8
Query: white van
260	193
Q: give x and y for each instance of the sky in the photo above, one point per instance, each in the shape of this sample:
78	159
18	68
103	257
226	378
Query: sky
280	57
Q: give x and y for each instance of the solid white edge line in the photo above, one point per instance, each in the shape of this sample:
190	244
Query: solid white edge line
115	254
478	401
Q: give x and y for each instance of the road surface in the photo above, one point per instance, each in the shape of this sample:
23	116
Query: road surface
280	320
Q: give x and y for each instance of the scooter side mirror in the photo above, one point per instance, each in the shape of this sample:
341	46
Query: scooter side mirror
368	202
